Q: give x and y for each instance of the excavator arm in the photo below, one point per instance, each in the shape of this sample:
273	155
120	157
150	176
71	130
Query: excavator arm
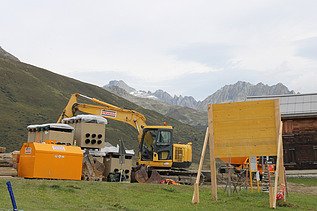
131	117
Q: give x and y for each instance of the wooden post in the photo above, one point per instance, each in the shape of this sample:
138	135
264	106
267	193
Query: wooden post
229	177
270	182
195	199
213	170
246	179
278	165
282	172
285	182
251	181
271	194
257	176
252	168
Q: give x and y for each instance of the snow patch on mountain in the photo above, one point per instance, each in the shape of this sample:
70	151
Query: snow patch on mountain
143	94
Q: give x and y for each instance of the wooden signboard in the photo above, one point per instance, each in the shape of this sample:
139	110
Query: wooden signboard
243	129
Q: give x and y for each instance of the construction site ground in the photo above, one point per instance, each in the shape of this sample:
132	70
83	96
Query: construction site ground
32	194
303	185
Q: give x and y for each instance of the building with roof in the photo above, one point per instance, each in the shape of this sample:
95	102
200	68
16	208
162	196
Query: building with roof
299	117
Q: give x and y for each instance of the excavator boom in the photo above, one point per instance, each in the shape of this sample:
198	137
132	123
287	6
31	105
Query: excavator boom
131	117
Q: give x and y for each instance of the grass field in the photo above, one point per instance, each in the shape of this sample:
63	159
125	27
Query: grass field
303	181
81	195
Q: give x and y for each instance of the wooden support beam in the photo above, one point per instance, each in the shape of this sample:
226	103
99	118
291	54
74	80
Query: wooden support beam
229	177
278	165
213	170
282	174
195	199
251	181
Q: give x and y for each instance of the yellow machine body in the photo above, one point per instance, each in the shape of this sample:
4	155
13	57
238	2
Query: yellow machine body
50	161
182	155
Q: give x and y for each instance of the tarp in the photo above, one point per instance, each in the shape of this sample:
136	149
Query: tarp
110	149
87	118
50	126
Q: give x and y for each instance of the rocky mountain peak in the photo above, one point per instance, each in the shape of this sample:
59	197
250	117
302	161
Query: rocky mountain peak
5	55
121	84
163	96
240	90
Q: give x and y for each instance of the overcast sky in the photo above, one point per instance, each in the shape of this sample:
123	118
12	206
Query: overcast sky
184	47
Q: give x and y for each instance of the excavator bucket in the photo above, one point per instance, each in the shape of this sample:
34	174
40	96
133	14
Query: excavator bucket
141	175
155	177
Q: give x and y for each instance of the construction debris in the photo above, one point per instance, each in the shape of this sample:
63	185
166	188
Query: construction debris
7	163
117	166
92	169
169	182
109	148
8	171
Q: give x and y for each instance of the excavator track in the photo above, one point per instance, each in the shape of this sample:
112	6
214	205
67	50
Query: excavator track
142	174
181	176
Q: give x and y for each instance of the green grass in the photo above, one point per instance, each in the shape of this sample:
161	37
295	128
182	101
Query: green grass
303	181
80	195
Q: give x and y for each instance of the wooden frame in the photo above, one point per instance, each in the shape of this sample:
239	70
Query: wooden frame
274	129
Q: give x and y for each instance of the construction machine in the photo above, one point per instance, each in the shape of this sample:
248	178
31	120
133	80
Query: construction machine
156	147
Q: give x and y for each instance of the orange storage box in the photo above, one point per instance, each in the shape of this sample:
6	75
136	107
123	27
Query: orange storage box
50	161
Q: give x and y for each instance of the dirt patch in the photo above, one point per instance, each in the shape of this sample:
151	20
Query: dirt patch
300	188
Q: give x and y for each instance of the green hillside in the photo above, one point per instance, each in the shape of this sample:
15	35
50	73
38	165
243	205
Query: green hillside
32	95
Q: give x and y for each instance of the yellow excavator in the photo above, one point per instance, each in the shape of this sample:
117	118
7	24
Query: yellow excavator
156	148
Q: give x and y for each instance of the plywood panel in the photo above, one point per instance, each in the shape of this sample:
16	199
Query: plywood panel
246	128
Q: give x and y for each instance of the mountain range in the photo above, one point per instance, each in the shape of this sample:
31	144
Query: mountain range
186	108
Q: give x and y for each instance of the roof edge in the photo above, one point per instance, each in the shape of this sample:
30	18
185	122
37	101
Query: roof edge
286	95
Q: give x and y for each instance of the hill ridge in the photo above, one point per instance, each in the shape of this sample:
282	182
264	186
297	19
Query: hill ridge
6	55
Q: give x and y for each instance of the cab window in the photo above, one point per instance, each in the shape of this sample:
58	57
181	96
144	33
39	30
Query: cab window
164	138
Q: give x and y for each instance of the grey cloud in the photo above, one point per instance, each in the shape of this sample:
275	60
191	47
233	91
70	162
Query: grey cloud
102	78
210	54
307	48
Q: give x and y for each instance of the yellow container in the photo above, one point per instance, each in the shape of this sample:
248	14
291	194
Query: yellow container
50	161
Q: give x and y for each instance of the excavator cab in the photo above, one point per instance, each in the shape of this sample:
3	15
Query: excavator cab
156	146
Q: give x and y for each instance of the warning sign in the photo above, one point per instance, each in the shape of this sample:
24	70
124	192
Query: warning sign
28	150
60	148
108	113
